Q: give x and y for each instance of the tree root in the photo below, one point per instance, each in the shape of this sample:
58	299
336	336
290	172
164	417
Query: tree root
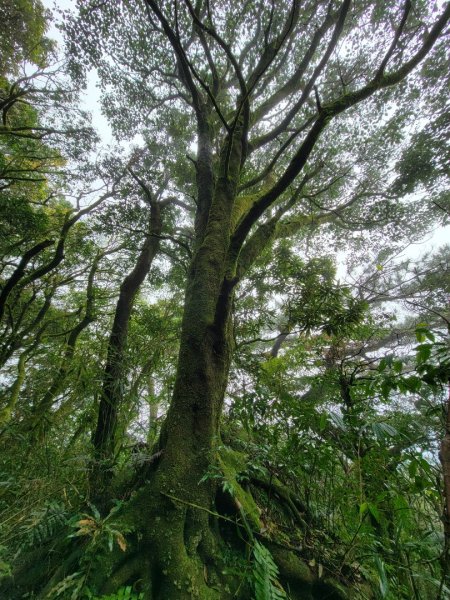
294	504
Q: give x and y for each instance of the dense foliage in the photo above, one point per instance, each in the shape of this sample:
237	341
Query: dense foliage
223	374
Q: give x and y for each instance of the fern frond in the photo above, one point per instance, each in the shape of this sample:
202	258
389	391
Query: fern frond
125	593
265	575
43	525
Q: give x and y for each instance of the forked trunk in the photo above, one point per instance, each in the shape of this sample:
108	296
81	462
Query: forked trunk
179	500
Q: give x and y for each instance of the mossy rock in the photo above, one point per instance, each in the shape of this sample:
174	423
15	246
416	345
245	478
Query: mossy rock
295	575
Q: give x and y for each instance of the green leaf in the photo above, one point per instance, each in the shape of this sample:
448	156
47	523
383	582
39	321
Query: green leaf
421	329
386	386
374	512
397	366
265	575
402	510
338	421
383	364
363	509
95	511
423	352
383	431
323	421
382	577
412	468
413	383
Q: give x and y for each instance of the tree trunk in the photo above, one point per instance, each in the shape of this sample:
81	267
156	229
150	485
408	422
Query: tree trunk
181	541
104	439
179	532
444	457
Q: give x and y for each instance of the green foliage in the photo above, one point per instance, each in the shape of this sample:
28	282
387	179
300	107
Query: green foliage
432	366
125	593
43	525
5	566
265	575
101	533
69	588
24	25
331	420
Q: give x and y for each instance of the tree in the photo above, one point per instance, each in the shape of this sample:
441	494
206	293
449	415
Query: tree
273	97
247	104
25	24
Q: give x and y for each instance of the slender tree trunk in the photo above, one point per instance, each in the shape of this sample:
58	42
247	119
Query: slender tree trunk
20	272
444	457
57	385
113	378
282	336
153	412
6	412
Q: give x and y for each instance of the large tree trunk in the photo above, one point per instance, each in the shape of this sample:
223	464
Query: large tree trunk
179	532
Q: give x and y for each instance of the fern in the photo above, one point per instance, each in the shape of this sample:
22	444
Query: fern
125	593
43	525
265	575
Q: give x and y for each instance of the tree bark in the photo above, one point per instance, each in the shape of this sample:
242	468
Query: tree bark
444	457
113	378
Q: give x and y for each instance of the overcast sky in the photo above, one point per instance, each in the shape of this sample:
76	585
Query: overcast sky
91	102
91	97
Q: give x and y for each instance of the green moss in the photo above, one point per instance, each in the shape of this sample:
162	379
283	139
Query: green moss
232	463
241	206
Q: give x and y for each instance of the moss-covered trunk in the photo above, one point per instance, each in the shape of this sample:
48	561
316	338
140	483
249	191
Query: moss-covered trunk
180	534
444	457
115	368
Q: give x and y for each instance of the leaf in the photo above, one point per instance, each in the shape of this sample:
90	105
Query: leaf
75	579
423	352
382	364
382	577
421	330
121	542
413	383
397	366
420	483
386	387
124	593
338	421
383	430
412	468
95	511
323	420
402	510
88	522
265	575
374	512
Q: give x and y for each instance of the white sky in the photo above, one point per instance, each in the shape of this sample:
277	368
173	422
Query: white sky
91	97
